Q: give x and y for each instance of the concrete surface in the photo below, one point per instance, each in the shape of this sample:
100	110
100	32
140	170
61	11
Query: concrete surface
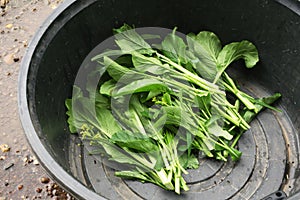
21	176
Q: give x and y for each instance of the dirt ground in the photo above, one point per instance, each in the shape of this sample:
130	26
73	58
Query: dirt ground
21	176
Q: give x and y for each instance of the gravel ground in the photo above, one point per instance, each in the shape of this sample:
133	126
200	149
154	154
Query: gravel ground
21	175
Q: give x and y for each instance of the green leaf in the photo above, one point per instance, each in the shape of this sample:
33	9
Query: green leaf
107	122
260	104
150	36
199	143
118	155
234	51
127	115
208	146
92	82
148	64
81	110
101	101
144	85
71	121
267	101
189	162
107	87
136	104
107	53
130	41
204	102
174	115
135	141
123	28
215	129
237	50
177	116
141	113
159	118
206	47
131	175
115	70
174	48
150	95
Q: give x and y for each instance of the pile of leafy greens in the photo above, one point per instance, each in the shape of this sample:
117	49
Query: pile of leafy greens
160	105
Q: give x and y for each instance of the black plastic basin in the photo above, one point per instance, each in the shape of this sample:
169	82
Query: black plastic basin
271	148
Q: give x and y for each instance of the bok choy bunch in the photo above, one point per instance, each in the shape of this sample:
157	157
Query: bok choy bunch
159	105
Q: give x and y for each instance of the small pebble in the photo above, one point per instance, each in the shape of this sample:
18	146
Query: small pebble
53	6
25	43
3	5
55	186
9	59
4	148
36	162
28	159
39	190
45	180
16	59
2	158
68	197
54	192
20	187
9	26
31	158
25	159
